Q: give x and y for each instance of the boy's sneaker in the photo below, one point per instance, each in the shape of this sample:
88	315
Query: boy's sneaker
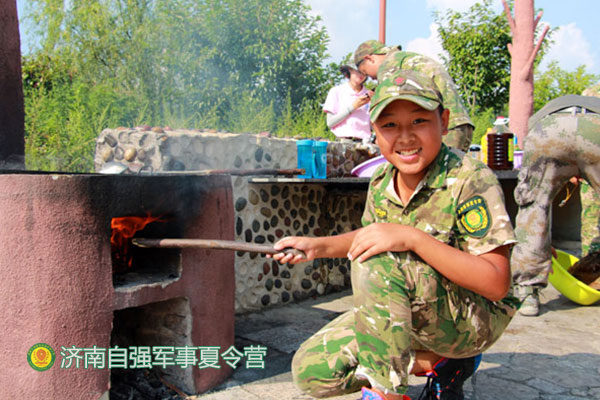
374	394
445	381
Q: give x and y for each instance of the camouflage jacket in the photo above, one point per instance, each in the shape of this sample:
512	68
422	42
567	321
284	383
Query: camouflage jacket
459	202
397	59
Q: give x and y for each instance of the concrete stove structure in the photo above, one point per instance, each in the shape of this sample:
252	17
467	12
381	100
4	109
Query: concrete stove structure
58	289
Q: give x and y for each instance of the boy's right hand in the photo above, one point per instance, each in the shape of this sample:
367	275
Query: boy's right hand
379	238
306	244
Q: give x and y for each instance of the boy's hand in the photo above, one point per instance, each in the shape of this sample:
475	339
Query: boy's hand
306	244
379	238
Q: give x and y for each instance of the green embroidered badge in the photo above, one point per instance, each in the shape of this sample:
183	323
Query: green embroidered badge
473	215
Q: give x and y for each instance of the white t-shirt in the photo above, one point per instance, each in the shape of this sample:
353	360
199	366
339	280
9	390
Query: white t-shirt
357	124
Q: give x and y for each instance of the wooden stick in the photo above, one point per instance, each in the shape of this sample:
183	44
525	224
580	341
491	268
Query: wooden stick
258	171
237	172
213	244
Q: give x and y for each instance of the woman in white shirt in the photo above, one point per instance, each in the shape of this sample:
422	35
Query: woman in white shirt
347	107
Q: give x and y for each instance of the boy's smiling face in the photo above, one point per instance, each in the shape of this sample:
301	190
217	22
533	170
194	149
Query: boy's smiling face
410	137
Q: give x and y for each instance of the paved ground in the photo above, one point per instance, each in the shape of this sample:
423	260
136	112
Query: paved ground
554	356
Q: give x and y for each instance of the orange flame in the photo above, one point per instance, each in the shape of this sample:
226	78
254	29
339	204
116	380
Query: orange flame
123	229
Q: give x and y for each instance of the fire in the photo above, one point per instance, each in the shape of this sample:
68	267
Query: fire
123	229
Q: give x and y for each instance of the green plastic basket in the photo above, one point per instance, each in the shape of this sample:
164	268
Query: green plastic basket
570	287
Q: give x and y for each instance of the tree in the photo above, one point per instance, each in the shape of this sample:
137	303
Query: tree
556	82
269	47
182	63
523	53
478	59
188	51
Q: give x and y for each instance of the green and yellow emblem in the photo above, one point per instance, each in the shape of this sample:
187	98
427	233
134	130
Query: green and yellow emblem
473	215
41	357
380	212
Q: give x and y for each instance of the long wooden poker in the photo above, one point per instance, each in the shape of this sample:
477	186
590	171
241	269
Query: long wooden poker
213	244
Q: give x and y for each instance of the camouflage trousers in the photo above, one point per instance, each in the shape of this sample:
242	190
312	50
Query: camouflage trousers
559	147
459	137
401	305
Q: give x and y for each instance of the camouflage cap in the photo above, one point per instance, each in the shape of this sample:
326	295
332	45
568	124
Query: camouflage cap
367	48
405	85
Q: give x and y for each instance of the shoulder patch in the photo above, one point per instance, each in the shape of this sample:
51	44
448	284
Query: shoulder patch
473	215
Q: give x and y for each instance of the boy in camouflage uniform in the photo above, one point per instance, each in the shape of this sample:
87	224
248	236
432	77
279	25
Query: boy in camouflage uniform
430	271
563	142
379	61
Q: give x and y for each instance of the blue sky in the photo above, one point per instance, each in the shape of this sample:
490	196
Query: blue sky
411	24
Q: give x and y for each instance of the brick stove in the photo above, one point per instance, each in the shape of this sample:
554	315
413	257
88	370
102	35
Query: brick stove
58	285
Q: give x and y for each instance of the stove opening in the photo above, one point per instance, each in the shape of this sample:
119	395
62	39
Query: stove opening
134	266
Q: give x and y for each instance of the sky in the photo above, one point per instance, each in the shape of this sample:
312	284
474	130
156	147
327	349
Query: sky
410	23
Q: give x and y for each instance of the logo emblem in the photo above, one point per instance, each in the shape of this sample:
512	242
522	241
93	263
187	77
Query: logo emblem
41	357
380	213
473	215
400	80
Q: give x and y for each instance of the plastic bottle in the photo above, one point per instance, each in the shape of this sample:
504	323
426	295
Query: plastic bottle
500	152
484	145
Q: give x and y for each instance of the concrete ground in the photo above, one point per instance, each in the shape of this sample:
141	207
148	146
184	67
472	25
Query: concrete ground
553	356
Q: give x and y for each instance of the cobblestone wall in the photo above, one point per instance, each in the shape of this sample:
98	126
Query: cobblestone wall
280	210
265	212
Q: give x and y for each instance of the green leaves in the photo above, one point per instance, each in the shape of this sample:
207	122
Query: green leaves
556	82
478	60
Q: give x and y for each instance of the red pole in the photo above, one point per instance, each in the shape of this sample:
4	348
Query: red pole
12	113
382	21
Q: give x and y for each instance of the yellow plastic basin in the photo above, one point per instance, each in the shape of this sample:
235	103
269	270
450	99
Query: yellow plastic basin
571	288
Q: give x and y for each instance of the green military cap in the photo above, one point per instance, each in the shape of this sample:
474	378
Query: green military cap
405	85
367	48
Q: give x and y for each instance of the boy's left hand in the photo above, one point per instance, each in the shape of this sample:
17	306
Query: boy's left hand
379	238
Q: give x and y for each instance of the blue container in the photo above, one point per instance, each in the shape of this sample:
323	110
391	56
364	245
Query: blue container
320	150
305	158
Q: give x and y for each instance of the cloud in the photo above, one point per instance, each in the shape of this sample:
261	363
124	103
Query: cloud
459	5
571	49
343	19
430	46
456	5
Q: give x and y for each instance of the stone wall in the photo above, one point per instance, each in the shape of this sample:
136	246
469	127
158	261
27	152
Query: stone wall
265	212
277	210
